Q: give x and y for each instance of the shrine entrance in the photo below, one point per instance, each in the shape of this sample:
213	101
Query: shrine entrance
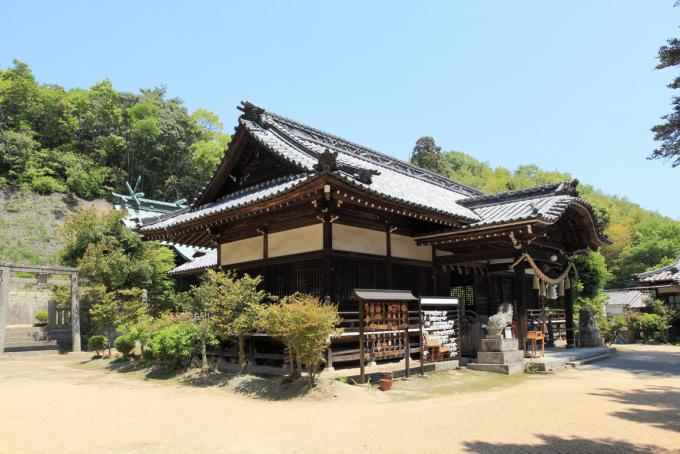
42	274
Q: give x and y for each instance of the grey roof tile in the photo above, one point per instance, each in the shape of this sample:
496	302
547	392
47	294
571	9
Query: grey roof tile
209	260
232	201
665	273
631	298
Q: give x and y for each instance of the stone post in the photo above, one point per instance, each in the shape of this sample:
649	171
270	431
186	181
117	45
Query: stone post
4	304
75	314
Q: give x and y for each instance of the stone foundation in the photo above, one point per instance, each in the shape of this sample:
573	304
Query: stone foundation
500	356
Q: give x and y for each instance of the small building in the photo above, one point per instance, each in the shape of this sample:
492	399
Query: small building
315	213
664	282
620	301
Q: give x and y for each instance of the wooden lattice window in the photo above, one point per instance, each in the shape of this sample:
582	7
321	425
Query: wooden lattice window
465	294
349	274
409	277
287	278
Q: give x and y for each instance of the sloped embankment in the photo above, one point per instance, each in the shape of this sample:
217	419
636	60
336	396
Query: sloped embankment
29	225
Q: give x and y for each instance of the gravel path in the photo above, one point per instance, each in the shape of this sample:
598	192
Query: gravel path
630	403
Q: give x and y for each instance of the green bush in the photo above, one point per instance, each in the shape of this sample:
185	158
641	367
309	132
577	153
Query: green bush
173	345
611	327
650	327
41	317
125	344
303	324
47	185
97	343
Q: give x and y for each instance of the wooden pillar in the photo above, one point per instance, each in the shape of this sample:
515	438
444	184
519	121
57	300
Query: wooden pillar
250	358
569	315
75	314
327	260
4	304
435	287
421	338
388	258
265	257
362	359
521	304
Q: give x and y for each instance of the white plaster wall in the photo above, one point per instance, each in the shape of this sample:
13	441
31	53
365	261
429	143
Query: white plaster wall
612	310
406	247
241	251
355	239
296	241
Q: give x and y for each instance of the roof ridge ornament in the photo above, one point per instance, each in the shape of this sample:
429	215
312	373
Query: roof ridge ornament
327	161
366	175
251	111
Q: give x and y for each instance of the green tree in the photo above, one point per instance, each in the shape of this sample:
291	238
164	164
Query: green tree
427	154
110	254
305	326
668	133
231	303
592	273
90	141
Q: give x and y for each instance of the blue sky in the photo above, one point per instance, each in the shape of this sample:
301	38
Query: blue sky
567	85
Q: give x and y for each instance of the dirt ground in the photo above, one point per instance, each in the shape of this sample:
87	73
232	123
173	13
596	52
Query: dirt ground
68	404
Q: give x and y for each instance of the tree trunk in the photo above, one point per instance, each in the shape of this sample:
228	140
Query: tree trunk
204	354
242	352
292	363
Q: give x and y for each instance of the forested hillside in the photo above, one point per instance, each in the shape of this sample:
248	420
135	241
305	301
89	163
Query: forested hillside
90	141
642	239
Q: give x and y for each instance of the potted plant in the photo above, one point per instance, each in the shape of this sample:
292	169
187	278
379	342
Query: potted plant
385	381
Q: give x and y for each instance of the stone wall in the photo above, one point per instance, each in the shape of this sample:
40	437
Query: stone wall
25	300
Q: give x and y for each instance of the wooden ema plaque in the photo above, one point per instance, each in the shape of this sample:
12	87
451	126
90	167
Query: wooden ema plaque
385	320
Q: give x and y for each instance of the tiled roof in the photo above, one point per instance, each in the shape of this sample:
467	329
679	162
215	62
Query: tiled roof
631	298
301	145
209	260
545	203
665	273
234	200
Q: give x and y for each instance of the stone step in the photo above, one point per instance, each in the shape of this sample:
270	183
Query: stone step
30	344
506	369
31	348
507	357
592	359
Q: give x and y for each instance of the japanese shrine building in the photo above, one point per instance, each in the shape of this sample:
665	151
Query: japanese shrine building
315	213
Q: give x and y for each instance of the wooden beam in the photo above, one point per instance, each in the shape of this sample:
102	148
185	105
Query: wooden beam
569	315
39	269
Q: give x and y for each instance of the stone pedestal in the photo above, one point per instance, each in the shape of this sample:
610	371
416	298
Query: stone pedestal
498	355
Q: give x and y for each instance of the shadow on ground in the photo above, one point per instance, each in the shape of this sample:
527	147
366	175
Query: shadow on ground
258	387
554	444
659	363
658	406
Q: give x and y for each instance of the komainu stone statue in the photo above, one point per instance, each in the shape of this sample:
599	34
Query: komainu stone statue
589	334
500	320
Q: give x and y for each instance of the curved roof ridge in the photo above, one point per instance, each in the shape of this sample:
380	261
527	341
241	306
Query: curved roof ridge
347	146
561	188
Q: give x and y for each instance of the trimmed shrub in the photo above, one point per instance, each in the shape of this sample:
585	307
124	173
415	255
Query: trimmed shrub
41	317
125	344
173	345
97	343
